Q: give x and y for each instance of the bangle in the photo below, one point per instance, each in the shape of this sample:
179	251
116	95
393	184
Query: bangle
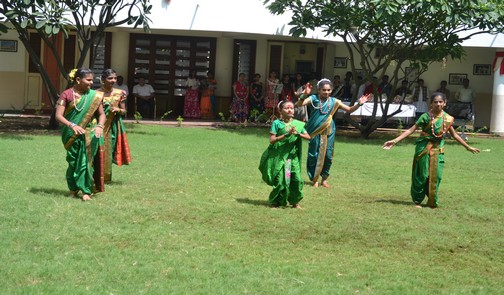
99	125
394	141
71	125
360	104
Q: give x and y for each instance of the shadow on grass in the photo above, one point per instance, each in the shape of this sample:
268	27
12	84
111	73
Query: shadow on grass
49	191
21	137
114	182
395	202
253	202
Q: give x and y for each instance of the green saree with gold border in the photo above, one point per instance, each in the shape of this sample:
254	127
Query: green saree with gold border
280	165
117	149
82	150
428	161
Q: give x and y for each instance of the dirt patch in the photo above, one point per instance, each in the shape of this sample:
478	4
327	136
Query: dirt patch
25	125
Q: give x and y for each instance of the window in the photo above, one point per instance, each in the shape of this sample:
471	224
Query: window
165	62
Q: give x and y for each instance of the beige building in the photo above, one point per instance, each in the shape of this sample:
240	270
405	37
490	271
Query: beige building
205	36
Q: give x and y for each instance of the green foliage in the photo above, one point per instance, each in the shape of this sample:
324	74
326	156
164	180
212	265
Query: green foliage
179	121
409	33
258	117
165	115
470	129
138	117
39	110
88	19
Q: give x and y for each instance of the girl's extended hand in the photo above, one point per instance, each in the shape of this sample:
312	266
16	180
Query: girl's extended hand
473	150
307	89
365	98
389	144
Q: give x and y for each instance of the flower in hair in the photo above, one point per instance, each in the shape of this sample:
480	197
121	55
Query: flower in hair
323	81
71	75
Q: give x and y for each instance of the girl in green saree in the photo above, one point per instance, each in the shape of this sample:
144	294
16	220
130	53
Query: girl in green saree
428	160
322	129
116	143
280	163
77	110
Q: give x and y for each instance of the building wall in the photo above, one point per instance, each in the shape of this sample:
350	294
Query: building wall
119	57
12	75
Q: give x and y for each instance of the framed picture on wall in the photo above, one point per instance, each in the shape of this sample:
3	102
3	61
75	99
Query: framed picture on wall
482	69
340	62
8	45
456	79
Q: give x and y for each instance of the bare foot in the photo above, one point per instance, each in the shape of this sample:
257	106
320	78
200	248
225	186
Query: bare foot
418	206
72	194
296	206
325	184
315	184
86	197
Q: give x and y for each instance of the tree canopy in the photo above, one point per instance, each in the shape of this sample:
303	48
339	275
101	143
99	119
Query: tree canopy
88	19
407	32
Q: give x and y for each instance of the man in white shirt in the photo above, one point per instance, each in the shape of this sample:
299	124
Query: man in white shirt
465	94
144	94
120	85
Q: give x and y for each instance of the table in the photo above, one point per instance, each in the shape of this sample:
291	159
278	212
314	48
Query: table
407	110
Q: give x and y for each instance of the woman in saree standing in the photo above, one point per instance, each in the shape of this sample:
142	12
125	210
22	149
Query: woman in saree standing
208	86
117	149
322	129
256	95
240	105
280	163
428	160
271	96
191	100
77	110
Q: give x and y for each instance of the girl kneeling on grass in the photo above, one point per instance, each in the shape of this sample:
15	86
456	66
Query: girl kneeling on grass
280	163
428	161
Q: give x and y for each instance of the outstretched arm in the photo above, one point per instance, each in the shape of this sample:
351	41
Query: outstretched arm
389	144
459	139
360	102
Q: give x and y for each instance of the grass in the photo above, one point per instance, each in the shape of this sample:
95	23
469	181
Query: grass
189	216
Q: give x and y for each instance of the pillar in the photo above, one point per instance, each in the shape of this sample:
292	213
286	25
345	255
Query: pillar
497	111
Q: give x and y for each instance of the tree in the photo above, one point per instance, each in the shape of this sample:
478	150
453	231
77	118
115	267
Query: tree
89	19
406	32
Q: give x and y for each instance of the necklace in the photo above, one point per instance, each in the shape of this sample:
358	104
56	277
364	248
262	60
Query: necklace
288	124
107	90
75	100
443	130
321	106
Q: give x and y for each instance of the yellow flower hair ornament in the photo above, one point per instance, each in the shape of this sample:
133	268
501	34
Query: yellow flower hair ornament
71	75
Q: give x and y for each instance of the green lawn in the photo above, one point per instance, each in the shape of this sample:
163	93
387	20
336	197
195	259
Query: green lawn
189	216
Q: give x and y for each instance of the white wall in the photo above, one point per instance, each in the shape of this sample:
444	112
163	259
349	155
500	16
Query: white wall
12	61
119	58
12	75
